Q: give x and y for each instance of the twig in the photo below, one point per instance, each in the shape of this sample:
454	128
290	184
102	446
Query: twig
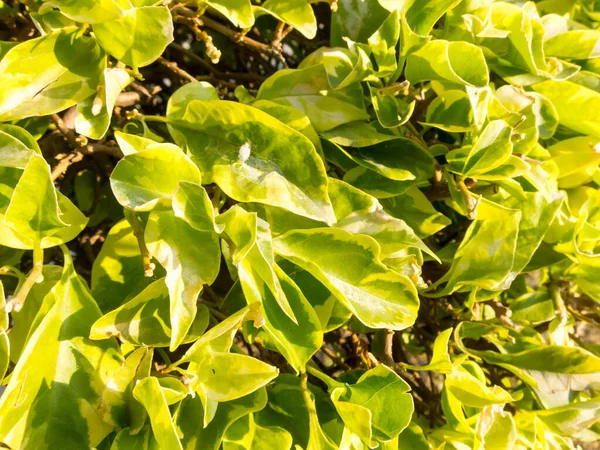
213	70
139	234
173	67
388	349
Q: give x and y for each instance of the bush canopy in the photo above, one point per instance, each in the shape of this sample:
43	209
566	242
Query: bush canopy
299	224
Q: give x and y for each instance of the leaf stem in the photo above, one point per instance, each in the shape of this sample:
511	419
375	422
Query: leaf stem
559	303
330	382
139	235
35	276
470	201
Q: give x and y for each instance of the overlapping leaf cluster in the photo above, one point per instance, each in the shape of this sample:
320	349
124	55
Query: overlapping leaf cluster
422	190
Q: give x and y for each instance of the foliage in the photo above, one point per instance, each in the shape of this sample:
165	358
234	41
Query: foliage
234	224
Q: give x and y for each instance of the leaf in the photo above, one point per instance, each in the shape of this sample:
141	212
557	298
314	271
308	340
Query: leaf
60	375
400	159
118	270
24	319
309	90
223	138
380	298
63	81
121	408
145	320
377	408
144	440
188	92
440	360
244	433
575	44
547	368
480	261
292	117
239	12
289	400
422	16
457	62
574	113
92	121
414	208
175	240
149	394
190	417
252	254
33	213
13	152
471	391
217	371
142	180
356	20
92	11
491	150
298	14
137	38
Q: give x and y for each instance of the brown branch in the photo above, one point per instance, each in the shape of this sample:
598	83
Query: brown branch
186	16
214	71
173	67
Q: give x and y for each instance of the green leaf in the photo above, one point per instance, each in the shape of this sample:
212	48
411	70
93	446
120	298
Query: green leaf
33	213
422	16
490	150
13	152
24	319
377	408
149	394
575	44
144	440
356	20
480	261
45	75
547	368
298	14
60	375
175	240
440	360
400	159
379	297
223	138
121	408
137	38
471	391
145	320
457	62
92	11
574	104
94	113
239	12
188	92
142	180
309	90
189	419
414	208
223	377
252	254
292	117
244	433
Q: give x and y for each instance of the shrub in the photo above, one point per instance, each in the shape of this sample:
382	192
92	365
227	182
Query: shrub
299	224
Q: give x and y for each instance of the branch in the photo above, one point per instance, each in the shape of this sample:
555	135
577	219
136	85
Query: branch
173	67
213	70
